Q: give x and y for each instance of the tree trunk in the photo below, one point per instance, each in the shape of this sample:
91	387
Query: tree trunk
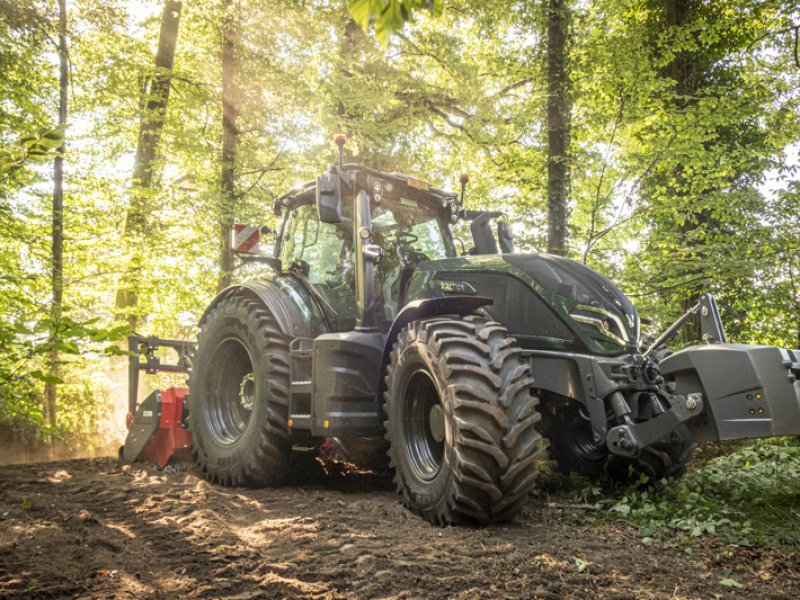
347	55
145	164
682	70
230	141
558	117
57	277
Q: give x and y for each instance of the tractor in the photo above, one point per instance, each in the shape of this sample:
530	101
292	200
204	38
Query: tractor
376	329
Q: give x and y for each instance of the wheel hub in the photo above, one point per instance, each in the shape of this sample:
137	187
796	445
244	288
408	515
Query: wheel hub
233	395
436	423
247	391
424	425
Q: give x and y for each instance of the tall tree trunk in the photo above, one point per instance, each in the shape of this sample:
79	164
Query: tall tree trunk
230	141
144	168
57	276
683	71
347	54
558	118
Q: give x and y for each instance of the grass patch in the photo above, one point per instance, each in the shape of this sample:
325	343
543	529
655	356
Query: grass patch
751	495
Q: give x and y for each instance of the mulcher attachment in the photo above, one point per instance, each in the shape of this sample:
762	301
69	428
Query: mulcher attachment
156	427
157	433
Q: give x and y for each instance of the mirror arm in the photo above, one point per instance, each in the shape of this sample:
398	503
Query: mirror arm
274	263
344	176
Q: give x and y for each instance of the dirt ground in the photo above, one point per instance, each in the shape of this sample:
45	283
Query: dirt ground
88	529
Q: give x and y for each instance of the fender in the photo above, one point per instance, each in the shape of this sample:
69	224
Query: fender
292	306
429	307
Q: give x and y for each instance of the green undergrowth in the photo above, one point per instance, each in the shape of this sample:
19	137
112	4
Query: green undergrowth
749	496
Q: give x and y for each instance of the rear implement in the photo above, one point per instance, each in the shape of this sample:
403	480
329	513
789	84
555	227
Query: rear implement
157	430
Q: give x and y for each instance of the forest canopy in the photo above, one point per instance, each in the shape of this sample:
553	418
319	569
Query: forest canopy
655	141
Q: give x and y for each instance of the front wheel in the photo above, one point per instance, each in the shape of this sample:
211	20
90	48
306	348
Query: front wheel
461	420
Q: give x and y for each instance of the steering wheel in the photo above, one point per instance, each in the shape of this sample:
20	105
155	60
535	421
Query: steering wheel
404	237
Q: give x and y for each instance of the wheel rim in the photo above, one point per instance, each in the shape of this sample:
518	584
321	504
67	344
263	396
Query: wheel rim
233	394
424	421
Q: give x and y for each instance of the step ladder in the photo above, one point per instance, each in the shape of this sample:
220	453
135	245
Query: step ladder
301	351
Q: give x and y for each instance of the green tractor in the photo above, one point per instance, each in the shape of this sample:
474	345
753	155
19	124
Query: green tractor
376	332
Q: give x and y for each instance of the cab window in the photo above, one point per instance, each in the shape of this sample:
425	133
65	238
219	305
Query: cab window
323	253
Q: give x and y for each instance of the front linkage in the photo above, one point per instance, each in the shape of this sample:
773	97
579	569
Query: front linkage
645	412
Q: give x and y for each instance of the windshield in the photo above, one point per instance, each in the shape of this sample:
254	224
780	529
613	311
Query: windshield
407	225
408	231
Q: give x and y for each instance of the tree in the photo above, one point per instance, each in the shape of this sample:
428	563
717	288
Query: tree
155	99
57	276
720	107
558	116
230	143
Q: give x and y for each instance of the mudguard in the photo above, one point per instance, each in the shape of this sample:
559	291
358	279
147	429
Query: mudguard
749	391
290	302
429	307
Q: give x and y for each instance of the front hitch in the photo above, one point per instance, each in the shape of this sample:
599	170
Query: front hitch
629	439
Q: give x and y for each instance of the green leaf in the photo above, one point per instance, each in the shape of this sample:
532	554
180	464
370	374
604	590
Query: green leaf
39	375
622	508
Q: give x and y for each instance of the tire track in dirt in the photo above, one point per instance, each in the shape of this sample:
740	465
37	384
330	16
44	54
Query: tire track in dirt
88	529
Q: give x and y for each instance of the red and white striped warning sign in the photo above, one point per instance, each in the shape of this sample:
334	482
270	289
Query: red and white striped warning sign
244	238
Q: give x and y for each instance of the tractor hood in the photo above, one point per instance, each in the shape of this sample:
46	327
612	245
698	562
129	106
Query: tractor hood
546	301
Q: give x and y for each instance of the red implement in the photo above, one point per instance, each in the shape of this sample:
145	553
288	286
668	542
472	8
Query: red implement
157	433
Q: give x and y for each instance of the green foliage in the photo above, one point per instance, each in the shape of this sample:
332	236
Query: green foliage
390	15
31	148
668	172
24	347
748	496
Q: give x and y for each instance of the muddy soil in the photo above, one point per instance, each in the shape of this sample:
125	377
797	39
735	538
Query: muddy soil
88	529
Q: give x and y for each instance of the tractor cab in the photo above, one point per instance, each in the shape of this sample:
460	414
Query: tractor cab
409	223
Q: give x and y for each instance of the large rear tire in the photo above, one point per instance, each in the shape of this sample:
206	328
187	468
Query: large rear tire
239	396
461	421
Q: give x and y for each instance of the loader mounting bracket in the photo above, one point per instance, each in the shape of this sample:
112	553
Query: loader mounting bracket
629	439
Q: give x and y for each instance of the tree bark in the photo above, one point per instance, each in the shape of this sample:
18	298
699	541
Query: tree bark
156	96
230	141
558	123
57	276
683	70
347	55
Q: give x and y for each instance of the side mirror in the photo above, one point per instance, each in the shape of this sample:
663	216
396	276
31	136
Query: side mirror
329	198
504	237
482	235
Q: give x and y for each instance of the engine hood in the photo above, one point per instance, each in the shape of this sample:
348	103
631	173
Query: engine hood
531	290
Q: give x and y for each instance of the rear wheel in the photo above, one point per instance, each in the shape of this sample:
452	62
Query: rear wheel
238	396
461	420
